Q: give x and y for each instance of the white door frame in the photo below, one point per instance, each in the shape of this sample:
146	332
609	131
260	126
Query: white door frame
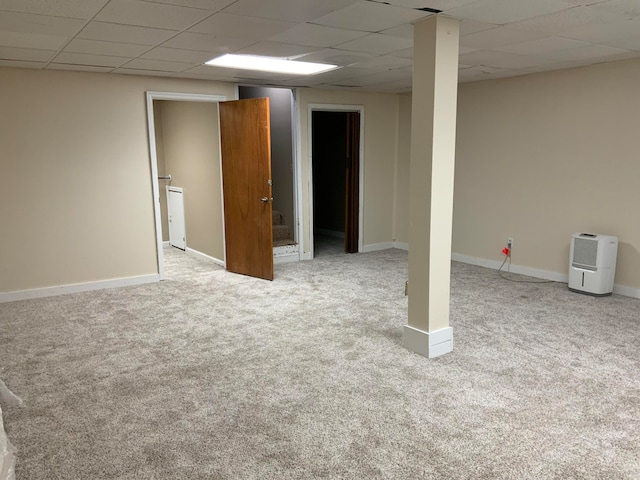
181	97
336	108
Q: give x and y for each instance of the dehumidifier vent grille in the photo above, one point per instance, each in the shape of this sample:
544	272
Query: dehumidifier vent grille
585	253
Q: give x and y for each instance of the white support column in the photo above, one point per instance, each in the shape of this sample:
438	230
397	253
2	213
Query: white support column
433	137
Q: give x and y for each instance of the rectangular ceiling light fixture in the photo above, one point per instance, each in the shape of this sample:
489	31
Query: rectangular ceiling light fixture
269	64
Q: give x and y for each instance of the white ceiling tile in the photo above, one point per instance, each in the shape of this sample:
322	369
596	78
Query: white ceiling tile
147	14
277	49
207	43
211	5
335	56
160	65
211	71
505	11
236	26
21	64
385	62
291	10
84	9
41	24
397	86
628	8
379	77
31	40
498	37
542	46
124	33
26	54
370	17
558	22
468	27
78	68
628	43
478	73
96	47
588	52
316	35
143	72
462	50
87	59
401	31
376	43
404	53
501	60
442	5
604	33
197	76
178	55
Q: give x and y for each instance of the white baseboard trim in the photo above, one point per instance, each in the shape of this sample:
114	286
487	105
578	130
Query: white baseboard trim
166	244
375	247
329	233
537	273
495	265
626	291
204	256
307	256
77	288
286	258
428	344
401	246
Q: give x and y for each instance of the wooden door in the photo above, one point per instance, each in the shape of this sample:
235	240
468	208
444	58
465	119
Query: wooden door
175	212
245	141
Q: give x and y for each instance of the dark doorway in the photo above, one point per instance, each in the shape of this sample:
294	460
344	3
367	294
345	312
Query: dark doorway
336	180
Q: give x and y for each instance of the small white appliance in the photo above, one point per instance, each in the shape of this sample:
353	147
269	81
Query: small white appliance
592	263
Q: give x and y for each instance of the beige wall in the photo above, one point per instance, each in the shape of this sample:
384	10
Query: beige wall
192	157
543	156
75	190
401	213
380	123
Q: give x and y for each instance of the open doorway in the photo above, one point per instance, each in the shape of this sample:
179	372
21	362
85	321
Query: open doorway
285	208
188	162
336	180
166	114
225	134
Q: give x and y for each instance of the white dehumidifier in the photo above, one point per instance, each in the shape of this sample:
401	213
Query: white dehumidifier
592	263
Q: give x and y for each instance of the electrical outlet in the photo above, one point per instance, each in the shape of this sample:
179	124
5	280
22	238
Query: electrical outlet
510	243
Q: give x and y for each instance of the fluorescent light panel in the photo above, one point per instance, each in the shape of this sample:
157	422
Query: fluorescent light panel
269	64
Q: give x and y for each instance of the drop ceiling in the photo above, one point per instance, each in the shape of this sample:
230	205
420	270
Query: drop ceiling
371	40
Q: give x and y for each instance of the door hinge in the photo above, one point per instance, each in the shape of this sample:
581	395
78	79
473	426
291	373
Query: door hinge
270	182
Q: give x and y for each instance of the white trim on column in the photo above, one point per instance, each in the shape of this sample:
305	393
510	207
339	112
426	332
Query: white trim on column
77	288
428	344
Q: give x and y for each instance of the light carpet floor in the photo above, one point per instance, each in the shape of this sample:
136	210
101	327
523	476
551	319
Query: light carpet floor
211	375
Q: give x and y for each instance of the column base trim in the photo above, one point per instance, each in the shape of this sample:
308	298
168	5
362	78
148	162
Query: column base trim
428	344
